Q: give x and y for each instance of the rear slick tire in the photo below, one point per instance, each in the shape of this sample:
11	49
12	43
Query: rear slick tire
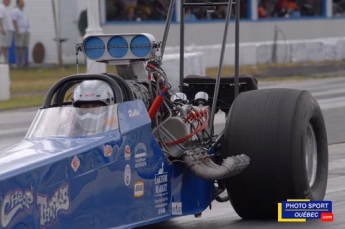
283	132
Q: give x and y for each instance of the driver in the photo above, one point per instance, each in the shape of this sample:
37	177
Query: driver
92	97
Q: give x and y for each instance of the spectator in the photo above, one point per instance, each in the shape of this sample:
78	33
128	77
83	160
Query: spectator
338	7
286	8
308	8
262	9
115	10
159	9
219	13
130	3
6	29
21	26
131	15
293	9
144	9
189	16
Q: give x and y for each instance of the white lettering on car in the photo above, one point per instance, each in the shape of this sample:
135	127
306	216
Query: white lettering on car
14	202
133	113
52	207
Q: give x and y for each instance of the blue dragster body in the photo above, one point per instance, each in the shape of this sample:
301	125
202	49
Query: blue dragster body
117	179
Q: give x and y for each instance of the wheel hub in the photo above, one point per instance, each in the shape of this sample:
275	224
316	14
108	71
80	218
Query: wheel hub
310	147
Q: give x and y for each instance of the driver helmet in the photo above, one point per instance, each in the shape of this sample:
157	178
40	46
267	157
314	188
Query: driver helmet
92	97
93	91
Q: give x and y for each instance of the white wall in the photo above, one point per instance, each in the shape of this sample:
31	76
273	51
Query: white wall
69	28
40	15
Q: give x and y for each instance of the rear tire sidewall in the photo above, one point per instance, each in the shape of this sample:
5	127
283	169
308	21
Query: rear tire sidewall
270	127
309	112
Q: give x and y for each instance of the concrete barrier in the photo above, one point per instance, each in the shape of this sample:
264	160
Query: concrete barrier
4	82
296	51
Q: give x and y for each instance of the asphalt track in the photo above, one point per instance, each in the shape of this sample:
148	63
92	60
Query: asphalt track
330	93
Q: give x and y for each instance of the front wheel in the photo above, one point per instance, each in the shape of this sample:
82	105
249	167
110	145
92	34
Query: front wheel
283	132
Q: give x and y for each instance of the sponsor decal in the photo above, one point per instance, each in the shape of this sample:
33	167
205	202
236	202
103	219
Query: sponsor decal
127	175
139	189
140	151
107	150
17	201
161	190
133	113
176	208
127	152
51	207
75	163
161	202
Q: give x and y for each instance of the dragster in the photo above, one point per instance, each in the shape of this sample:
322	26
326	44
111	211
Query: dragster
150	153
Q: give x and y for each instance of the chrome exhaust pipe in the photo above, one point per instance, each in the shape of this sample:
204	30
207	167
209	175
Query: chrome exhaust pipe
204	168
